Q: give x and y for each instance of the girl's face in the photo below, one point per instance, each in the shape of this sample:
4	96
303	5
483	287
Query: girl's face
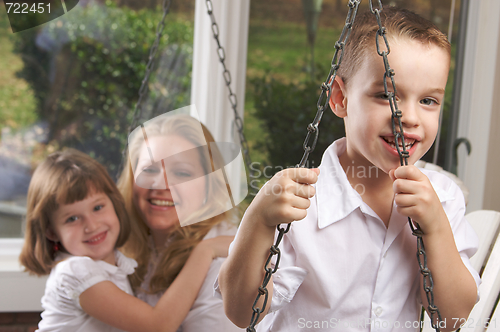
171	189
89	227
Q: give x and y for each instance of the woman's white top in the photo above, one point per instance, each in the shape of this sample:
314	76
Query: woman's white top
68	279
207	313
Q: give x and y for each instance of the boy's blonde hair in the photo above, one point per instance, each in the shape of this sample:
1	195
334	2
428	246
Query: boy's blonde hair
182	239
64	177
399	23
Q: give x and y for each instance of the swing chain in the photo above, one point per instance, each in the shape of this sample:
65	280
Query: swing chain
274	251
397	130
326	87
232	96
142	91
152	54
312	128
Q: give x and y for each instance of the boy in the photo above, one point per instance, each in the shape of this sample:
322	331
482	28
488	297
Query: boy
349	263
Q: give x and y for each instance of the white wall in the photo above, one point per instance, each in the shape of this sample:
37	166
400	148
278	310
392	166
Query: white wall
478	111
208	88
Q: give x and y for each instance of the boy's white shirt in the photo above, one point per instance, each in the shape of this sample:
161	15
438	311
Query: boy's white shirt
71	277
344	270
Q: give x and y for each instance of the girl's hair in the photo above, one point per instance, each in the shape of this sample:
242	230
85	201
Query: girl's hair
182	239
64	177
399	23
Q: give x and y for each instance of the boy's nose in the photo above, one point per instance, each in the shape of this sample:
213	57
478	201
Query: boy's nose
409	117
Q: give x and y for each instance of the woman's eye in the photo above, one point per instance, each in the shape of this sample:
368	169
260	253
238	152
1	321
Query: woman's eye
98	207
151	170
72	219
183	174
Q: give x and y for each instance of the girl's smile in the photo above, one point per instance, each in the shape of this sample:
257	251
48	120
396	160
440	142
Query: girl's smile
89	227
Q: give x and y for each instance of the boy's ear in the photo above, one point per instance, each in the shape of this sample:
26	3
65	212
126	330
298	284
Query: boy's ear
338	98
51	235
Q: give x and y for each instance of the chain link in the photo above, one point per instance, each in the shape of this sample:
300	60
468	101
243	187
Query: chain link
397	130
312	129
322	104
232	96
144	85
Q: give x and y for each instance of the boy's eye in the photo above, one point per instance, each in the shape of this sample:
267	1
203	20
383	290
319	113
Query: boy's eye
384	96
429	101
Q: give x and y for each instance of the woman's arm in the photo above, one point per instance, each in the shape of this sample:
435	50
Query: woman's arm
106	302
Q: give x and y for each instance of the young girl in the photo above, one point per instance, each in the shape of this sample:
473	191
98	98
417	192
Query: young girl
76	220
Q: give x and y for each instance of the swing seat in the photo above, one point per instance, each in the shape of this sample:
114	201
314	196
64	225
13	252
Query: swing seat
485	315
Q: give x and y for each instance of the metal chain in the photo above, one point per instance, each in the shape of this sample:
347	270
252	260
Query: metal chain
232	97
397	130
312	128
322	103
142	91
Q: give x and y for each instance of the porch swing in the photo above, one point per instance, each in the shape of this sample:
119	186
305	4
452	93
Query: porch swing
312	136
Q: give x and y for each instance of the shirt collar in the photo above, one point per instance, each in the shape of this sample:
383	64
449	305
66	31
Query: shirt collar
124	264
333	186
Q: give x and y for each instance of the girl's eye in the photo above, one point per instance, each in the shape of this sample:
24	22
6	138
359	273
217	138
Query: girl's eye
98	207
72	219
428	101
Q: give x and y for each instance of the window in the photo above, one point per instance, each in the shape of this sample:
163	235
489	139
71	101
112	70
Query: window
74	82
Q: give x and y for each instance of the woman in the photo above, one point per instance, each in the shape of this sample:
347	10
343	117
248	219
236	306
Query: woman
175	178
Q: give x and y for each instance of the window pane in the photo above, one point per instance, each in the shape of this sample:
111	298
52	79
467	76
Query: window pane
282	87
74	82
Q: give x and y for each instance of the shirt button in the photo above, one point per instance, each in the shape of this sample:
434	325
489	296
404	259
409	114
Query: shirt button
379	311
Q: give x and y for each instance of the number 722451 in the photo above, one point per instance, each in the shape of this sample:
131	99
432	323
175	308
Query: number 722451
25	8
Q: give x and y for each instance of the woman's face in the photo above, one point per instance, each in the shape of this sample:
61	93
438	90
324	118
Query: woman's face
169	190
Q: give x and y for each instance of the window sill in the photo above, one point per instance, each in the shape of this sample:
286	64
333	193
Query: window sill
20	291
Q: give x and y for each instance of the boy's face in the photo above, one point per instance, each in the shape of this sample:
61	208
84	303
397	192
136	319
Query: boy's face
421	75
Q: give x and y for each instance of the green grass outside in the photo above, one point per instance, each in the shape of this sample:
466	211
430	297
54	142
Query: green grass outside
17	102
281	49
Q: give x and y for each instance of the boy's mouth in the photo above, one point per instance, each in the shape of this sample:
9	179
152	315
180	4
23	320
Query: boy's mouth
161	202
409	142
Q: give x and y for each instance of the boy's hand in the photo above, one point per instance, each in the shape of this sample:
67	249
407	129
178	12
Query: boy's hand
285	197
416	198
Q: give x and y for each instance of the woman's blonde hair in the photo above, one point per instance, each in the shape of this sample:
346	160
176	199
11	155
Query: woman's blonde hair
64	177
182	239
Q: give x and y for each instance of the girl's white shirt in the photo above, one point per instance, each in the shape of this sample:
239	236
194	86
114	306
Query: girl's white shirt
207	312
68	279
